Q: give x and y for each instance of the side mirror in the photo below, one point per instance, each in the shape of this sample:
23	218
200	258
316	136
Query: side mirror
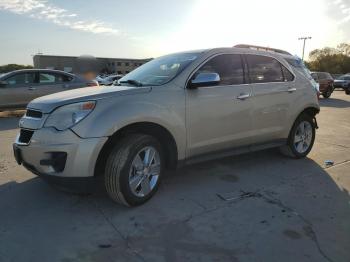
3	83
204	79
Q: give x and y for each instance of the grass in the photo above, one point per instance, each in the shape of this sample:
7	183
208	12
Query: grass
12	113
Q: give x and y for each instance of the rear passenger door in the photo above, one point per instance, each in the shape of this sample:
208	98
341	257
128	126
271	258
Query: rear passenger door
216	118
274	92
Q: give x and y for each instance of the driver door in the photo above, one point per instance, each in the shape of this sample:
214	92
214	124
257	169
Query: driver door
19	90
219	117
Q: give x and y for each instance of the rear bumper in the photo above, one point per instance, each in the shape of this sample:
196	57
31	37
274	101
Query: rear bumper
59	154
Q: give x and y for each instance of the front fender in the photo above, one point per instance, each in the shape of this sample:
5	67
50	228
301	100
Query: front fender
163	107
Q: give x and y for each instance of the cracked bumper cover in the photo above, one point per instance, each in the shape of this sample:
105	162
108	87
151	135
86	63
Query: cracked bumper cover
79	163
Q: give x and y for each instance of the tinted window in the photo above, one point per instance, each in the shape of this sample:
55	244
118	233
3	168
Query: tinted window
20	79
52	78
288	76
229	68
263	69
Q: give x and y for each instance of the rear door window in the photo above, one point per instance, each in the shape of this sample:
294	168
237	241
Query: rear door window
53	78
228	66
264	69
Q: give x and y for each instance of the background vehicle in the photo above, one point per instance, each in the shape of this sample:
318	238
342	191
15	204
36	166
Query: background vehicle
325	81
343	82
108	80
176	109
19	87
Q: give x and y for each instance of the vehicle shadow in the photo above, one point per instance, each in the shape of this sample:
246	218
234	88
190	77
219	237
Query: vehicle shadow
8	123
275	207
334	102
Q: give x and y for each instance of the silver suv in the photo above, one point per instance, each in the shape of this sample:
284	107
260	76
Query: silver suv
19	87
177	109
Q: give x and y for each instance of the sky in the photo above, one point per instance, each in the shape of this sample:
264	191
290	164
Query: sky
144	29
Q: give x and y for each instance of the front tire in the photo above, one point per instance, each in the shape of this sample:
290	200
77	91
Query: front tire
134	169
301	137
328	93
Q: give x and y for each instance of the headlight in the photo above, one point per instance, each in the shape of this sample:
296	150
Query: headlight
65	117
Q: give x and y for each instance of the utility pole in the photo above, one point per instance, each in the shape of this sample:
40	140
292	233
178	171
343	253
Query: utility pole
304	39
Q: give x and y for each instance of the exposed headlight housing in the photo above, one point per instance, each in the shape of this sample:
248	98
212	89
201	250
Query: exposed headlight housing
67	116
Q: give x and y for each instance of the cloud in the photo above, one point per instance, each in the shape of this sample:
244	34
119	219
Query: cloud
341	10
41	9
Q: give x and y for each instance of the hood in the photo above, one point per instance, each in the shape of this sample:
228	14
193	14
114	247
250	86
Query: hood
47	104
339	80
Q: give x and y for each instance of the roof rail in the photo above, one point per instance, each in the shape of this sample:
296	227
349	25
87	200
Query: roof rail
269	49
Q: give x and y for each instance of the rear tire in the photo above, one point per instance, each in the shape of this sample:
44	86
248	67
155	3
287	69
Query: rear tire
347	90
301	138
128	178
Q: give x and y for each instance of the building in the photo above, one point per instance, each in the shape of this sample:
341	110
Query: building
72	64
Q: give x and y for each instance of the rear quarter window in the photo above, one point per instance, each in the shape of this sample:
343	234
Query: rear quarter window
288	76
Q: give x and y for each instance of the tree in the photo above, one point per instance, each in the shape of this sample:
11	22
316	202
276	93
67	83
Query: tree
344	49
12	67
332	60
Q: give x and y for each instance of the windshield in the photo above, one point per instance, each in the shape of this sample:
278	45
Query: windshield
3	75
160	70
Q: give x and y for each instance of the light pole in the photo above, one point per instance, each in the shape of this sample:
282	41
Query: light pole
304	39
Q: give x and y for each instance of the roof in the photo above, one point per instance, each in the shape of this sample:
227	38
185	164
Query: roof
39	70
76	57
263	48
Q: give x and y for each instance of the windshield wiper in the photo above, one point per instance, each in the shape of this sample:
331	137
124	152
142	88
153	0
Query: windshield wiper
131	82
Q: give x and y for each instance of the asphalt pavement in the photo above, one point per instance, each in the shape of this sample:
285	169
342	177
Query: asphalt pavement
254	207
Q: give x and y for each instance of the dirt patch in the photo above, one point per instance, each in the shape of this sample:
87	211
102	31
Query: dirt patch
13	113
3	168
292	234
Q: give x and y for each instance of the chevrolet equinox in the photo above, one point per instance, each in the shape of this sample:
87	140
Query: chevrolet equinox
177	109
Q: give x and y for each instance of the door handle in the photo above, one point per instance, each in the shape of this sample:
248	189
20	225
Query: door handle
291	90
31	88
243	96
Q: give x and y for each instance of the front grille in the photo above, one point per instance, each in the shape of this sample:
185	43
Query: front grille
34	113
25	135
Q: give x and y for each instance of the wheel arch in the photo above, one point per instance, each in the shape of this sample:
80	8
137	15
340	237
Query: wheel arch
161	133
312	111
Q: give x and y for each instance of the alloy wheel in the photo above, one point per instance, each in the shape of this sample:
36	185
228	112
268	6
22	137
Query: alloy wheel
303	137
144	171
